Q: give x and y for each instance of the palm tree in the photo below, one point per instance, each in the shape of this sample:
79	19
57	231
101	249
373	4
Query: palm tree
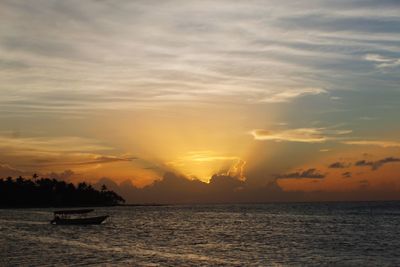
103	188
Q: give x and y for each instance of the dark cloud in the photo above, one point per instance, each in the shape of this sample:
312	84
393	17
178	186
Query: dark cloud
65	175
376	164
310	173
346	174
226	182
108	159
174	188
364	163
338	165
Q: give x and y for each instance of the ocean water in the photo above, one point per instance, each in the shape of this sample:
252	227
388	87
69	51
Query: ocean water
338	234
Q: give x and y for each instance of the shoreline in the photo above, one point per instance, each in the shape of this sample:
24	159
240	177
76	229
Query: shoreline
200	204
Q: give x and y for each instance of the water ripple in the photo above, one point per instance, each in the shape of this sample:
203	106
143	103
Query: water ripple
224	235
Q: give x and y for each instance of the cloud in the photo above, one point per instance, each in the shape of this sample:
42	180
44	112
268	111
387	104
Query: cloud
383	61
288	95
377	164
8	171
364	163
39	153
237	170
380	143
52	144
338	165
322	22
174	188
310	173
346	174
64	176
102	160
206	156
306	135
223	182
240	52
96	160
366	118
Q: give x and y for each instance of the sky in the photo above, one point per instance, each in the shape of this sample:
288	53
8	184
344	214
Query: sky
204	101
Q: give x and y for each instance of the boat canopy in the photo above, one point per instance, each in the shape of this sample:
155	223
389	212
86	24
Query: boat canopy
73	211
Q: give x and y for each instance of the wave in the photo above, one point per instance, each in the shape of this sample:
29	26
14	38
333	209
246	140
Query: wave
134	251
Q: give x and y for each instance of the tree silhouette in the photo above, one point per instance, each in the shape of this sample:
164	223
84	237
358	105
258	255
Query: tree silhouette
47	192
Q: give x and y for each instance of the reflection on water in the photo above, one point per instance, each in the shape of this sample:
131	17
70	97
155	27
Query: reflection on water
232	235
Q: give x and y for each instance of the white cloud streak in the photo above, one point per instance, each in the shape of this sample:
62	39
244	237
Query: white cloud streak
74	55
382	61
289	95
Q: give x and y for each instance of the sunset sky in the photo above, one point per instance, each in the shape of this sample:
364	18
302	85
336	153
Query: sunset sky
289	97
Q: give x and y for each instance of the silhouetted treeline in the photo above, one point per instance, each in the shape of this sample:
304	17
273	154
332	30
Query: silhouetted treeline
46	192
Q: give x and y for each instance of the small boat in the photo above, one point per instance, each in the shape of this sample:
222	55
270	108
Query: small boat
76	217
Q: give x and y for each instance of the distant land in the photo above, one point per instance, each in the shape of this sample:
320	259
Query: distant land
45	192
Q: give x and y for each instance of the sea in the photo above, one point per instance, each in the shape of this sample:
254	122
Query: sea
285	234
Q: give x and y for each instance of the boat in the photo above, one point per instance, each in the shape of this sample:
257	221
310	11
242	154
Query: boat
76	217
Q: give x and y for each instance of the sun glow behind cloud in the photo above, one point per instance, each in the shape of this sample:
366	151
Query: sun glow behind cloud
203	164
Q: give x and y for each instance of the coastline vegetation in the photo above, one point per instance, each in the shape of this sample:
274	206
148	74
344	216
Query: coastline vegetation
45	192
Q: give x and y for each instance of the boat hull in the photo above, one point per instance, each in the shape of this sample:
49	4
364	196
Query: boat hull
80	221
